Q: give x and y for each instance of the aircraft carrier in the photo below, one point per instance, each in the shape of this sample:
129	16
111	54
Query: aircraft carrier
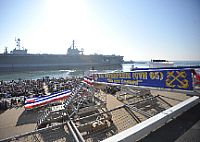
20	60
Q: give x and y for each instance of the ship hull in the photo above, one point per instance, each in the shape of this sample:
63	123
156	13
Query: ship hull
37	62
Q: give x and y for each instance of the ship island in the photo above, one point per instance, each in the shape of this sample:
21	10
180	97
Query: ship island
20	60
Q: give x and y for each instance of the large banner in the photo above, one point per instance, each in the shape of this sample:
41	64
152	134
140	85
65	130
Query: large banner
160	78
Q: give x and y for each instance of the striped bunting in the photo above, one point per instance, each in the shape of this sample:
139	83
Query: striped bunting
41	101
88	80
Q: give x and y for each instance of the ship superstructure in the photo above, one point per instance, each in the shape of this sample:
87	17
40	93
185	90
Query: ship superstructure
20	60
73	50
18	49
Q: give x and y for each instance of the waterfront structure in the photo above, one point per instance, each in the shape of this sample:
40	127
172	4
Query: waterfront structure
160	63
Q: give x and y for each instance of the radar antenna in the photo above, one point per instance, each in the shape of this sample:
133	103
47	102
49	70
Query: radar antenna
18	43
82	50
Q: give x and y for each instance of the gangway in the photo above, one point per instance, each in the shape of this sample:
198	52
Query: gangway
70	107
59	112
78	104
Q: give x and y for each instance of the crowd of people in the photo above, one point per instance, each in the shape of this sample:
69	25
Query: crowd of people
14	93
21	87
59	84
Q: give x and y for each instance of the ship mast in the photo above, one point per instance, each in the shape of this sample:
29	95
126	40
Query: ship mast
18	43
6	50
18	49
73	44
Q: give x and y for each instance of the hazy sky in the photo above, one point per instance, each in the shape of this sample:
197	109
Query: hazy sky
136	29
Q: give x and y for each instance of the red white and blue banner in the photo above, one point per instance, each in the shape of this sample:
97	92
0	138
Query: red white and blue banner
88	80
160	78
41	101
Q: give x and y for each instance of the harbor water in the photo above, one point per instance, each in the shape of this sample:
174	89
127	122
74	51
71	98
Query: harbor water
78	73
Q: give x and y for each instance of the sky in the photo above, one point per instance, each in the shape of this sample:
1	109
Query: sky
136	29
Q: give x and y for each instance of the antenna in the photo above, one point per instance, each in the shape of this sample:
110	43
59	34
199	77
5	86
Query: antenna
82	50
73	44
6	50
18	43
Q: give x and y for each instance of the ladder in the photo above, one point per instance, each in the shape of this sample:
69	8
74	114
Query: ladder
43	118
74	94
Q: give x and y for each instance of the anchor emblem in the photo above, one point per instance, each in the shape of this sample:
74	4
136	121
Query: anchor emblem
179	77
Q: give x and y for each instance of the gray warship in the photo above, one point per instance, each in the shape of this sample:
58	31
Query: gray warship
20	60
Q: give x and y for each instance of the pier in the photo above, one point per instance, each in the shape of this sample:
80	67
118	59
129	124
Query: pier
99	111
123	117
